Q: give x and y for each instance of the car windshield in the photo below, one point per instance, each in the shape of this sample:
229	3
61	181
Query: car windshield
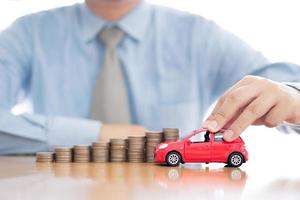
190	135
200	137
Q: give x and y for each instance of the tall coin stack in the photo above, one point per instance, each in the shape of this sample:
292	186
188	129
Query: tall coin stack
118	148
100	152
63	154
82	153
171	134
136	149
44	156
153	138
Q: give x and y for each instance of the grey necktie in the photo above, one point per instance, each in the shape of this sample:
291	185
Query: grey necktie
110	101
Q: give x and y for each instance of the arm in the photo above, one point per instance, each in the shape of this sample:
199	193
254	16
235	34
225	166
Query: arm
253	99
29	133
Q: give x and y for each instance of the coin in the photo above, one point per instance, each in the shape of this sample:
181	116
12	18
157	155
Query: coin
63	149
153	138
63	154
44	156
133	149
82	153
171	134
136	148
100	151
118	150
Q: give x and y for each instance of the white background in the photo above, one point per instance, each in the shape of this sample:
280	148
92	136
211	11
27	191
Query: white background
270	26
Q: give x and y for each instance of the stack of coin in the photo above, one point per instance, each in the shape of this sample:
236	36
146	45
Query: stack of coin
153	138
44	156
118	148
63	154
136	149
82	153
171	134
100	152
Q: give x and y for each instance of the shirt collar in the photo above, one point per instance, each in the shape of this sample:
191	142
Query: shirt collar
134	24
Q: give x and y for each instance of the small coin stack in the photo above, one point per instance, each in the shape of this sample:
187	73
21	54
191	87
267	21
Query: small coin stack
118	149
153	138
82	153
136	149
63	154
44	157
100	152
171	134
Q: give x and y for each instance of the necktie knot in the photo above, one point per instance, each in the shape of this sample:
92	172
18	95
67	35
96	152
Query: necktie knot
111	37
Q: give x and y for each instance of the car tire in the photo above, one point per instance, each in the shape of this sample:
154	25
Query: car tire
235	160
173	159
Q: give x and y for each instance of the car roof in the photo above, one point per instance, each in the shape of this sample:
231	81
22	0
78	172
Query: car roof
239	139
205	130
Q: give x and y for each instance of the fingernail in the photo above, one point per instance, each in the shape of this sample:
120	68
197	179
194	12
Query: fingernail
228	134
210	124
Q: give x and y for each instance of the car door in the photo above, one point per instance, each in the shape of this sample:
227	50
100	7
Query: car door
198	148
219	148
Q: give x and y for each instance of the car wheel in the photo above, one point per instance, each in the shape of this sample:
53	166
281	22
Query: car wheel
173	159
235	160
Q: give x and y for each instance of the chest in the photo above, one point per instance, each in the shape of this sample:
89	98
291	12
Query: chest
162	81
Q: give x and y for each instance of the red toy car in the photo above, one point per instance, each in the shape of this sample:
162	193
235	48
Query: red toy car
202	146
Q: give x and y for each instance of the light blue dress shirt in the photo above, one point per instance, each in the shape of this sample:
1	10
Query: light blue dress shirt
176	65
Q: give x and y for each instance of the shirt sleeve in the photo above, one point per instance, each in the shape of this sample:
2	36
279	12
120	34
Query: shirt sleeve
223	59
295	85
287	127
29	133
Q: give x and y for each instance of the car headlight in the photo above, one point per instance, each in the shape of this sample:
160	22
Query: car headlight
163	146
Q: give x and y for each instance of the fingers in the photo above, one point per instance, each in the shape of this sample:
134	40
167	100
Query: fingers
255	110
258	122
241	83
276	115
253	100
230	106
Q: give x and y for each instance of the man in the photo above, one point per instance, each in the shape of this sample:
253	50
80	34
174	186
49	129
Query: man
129	65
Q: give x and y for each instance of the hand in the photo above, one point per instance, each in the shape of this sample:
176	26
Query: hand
254	101
121	131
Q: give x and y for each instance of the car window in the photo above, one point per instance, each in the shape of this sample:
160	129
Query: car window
200	138
218	137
